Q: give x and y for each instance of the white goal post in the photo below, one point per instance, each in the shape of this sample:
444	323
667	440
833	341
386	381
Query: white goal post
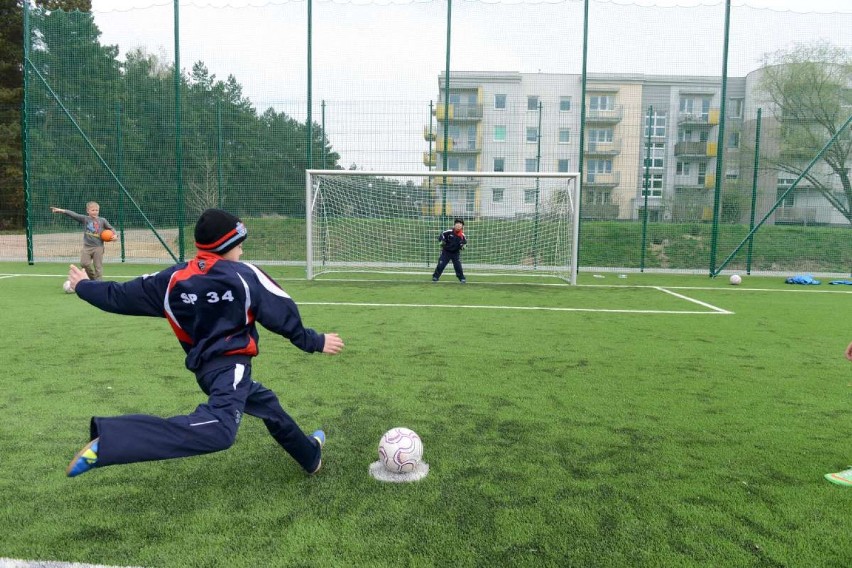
389	222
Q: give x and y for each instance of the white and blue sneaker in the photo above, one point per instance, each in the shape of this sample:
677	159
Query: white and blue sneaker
84	460
319	437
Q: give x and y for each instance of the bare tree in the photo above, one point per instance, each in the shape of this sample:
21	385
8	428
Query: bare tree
810	88
204	191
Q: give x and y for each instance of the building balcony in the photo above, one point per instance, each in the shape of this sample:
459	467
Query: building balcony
429	135
695	149
444	145
459	112
602	180
710	118
603	148
702	182
429	159
607	116
459	146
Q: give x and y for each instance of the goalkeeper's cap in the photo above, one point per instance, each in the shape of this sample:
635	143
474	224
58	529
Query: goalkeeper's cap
458	220
218	231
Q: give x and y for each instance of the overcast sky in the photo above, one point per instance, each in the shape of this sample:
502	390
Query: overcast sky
400	44
393	50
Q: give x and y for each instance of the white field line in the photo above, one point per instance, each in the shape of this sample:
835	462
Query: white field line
694	301
795	289
15	563
518	308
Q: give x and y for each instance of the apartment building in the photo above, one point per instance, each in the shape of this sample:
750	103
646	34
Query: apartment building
527	122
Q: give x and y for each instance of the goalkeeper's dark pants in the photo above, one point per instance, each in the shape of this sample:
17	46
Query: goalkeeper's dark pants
212	427
446	258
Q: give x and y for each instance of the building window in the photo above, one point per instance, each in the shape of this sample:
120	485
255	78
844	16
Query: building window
563	165
682	169
500	102
656	186
532	102
789	200
564	135
499	164
600	135
532	134
702	173
695	108
531	165
529	196
732	174
497	195
564	104
735	108
452	164
657	122
499	133
594	197
597	167
734	140
602	102
454	131
657	155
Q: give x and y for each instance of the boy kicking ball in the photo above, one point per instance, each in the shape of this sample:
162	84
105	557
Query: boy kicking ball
212	303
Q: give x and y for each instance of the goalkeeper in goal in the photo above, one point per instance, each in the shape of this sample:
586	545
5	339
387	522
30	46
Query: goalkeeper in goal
452	243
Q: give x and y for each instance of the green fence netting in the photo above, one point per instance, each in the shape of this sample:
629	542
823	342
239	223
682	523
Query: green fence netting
684	167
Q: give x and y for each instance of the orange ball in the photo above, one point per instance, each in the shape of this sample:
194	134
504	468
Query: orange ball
107	235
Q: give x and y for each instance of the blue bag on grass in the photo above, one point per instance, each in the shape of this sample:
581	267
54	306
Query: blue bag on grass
802	279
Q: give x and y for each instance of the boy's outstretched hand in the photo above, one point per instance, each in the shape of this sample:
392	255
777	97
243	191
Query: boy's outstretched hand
75	275
333	343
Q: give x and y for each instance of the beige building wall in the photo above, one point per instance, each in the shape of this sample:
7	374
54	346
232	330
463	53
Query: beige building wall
628	98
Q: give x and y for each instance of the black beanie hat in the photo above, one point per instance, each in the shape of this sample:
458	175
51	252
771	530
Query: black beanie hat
218	231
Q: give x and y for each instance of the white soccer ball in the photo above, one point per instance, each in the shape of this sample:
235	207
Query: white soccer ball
400	450
67	287
735	279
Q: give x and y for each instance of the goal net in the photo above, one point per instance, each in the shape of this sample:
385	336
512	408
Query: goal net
390	221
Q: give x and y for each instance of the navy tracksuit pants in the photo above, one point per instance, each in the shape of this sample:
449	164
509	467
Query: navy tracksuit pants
212	427
446	258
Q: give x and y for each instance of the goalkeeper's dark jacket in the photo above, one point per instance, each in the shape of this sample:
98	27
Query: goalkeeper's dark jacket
212	305
451	241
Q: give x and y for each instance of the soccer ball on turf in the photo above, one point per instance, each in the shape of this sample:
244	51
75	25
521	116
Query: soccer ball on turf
400	450
735	279
67	287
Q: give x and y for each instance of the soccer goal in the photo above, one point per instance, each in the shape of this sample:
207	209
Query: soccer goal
515	223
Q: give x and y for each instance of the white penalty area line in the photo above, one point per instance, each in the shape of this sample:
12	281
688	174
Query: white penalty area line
716	311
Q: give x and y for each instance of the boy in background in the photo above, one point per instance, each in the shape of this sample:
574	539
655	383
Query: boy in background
452	243
212	303
92	256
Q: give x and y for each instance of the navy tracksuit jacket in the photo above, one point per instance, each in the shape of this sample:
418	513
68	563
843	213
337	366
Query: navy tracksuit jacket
212	306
